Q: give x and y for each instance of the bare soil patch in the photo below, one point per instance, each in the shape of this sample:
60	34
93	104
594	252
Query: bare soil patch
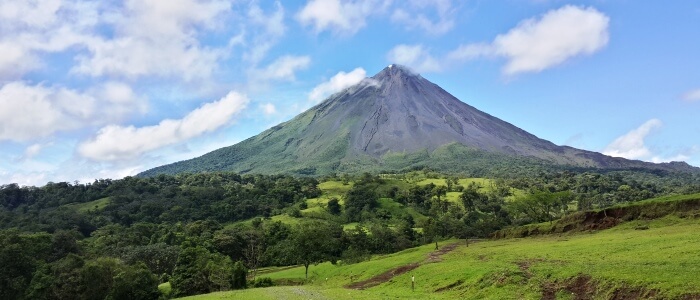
450	286
381	278
433	257
583	287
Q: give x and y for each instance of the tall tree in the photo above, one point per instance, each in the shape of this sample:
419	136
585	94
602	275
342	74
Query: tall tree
313	243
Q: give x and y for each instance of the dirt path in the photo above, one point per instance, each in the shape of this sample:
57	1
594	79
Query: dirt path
433	257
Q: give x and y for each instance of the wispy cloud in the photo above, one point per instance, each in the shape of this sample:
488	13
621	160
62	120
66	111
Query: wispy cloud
692	96
34	111
268	109
631	145
340	16
120	143
283	68
415	56
337	83
533	45
416	17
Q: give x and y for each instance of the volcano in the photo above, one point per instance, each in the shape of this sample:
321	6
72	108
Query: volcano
394	121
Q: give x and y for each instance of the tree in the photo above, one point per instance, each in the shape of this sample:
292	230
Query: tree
440	191
134	283
239	276
189	277
160	258
313	243
219	272
471	197
361	197
357	244
334	206
16	265
64	242
254	250
541	206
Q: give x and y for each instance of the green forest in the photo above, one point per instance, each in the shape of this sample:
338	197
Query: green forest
207	232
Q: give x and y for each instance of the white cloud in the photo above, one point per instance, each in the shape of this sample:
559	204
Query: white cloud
28	112
146	37
631	145
29	154
118	142
337	83
535	45
419	19
118	100
283	68
30	27
414	56
540	43
268	108
29	13
32	151
340	16
75	169
471	51
15	60
270	28
692	96
168	47
33	111
24	178
677	157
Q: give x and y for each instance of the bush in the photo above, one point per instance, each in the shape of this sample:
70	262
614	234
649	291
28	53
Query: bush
262	282
295	213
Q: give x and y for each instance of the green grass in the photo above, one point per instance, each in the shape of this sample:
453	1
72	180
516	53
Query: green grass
335	188
397	209
663	200
92	205
350	226
678	205
330	189
339	275
485	185
663	258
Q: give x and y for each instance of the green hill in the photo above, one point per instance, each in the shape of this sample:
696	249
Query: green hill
624	262
196	230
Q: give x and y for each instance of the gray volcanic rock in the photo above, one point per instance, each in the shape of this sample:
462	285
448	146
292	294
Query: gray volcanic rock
395	119
405	112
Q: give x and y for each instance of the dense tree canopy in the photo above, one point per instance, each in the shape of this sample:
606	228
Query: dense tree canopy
118	239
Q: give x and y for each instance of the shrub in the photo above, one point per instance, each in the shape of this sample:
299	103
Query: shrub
263	282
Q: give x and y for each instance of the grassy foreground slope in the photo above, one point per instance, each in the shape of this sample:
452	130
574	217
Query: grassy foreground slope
661	262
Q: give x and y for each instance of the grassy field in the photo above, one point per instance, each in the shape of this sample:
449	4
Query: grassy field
92	205
661	262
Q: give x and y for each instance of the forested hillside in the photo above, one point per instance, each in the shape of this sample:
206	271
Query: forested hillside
118	239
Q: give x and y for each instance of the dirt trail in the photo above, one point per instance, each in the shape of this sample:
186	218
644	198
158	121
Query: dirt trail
382	278
433	257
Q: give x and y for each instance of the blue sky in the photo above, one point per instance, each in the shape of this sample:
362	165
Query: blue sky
106	89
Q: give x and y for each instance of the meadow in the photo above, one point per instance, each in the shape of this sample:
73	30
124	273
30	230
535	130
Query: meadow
661	262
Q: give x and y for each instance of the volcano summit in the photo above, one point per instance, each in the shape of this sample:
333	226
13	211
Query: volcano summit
393	121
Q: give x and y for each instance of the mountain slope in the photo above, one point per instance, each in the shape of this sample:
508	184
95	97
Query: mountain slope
393	120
